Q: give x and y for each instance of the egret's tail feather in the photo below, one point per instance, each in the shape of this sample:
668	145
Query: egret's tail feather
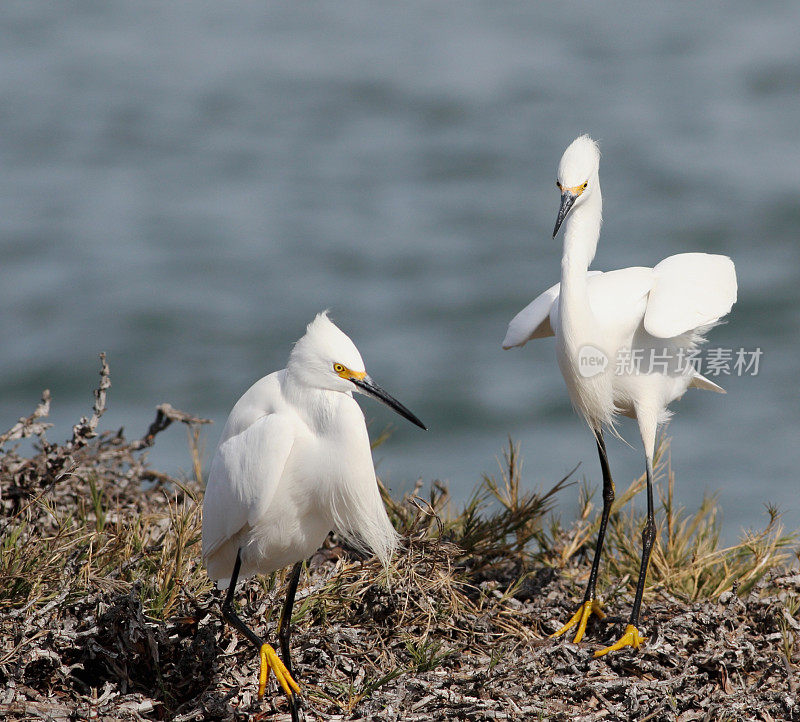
362	520
701	382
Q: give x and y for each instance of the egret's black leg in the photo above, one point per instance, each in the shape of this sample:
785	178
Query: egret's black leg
648	538
284	626
608	501
631	637
227	606
269	660
285	631
590	604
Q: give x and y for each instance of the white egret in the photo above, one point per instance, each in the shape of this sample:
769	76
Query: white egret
624	342
294	462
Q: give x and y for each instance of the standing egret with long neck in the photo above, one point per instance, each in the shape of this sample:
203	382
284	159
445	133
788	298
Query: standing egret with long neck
294	462
624	341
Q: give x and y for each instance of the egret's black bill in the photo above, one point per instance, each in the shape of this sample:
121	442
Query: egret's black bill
372	389
567	199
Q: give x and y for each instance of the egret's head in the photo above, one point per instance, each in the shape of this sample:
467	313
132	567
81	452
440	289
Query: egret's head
325	358
577	175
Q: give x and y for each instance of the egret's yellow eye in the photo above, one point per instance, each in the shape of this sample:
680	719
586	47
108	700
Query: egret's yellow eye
585	184
558	185
338	368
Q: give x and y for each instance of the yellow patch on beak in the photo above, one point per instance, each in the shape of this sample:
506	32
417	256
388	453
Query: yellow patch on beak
575	190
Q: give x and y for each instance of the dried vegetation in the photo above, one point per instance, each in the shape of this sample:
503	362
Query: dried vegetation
105	612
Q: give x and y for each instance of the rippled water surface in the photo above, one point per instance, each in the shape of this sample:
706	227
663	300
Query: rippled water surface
184	186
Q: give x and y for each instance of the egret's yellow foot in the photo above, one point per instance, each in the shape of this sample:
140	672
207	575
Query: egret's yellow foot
271	661
631	638
581	618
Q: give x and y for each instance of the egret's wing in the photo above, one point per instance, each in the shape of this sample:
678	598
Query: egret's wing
690	290
244	478
533	321
617	298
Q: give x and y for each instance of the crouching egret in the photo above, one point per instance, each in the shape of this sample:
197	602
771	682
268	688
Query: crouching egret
601	322
293	463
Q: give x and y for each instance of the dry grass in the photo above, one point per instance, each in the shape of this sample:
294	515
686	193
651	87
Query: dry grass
688	561
105	609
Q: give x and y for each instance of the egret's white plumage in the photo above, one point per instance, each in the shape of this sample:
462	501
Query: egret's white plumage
657	315
659	312
294	462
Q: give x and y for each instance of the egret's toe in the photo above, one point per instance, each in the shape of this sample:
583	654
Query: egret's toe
271	661
581	618
631	638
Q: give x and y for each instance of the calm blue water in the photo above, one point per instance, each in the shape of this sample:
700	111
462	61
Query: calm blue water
185	186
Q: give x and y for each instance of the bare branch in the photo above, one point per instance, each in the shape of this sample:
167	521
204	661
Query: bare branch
165	415
30	426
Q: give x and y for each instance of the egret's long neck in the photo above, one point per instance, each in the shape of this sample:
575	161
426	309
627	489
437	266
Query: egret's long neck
581	232
315	406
